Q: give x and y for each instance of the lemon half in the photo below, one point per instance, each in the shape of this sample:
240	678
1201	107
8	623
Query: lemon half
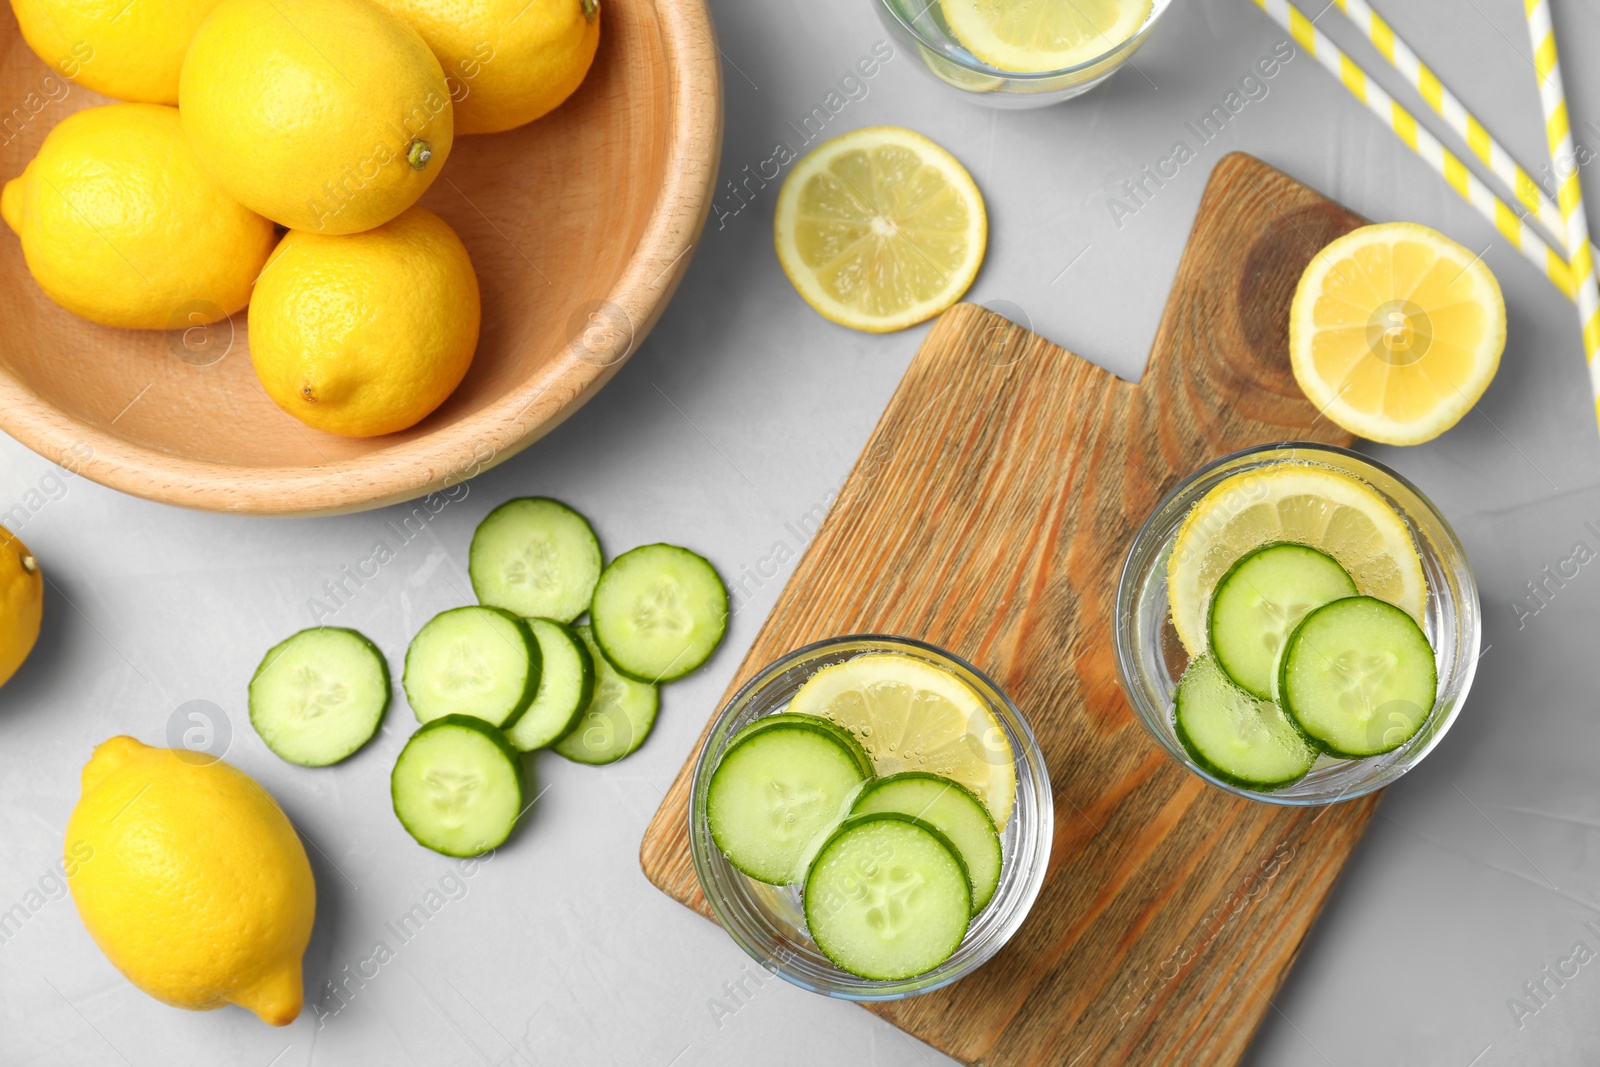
880	229
1396	331
1299	502
912	716
1041	35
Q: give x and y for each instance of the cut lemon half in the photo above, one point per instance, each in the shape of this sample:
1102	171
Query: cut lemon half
880	229
1299	502
1396	331
912	716
1041	35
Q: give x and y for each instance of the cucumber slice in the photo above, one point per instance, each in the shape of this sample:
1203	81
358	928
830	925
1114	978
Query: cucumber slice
566	683
887	897
951	809
536	558
458	786
844	737
620	714
1259	602
776	792
319	696
1358	677
474	661
659	612
1235	736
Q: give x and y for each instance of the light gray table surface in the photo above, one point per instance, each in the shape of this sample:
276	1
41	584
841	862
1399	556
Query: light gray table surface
742	411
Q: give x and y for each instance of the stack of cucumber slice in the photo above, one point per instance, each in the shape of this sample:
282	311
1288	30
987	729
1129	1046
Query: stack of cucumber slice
507	676
892	870
1299	664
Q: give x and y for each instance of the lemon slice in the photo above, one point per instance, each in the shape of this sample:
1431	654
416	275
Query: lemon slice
1041	35
912	716
880	229
1299	502
1396	331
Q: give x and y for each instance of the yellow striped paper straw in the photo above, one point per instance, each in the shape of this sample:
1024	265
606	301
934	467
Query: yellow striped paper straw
1449	107
1522	236
1558	130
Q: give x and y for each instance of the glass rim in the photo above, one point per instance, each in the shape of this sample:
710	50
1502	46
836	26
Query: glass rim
1027	756
1127	675
978	66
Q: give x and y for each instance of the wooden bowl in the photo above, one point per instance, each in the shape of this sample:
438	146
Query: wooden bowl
580	226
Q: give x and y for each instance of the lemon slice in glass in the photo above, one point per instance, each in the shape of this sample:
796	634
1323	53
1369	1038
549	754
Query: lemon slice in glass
1041	35
912	716
1396	331
880	229
1306	504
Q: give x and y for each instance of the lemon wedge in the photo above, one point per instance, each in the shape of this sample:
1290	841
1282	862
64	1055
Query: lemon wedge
880	229
912	716
1300	502
1396	331
1040	35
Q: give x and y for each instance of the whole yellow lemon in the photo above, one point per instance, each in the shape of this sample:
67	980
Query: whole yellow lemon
508	61
129	51
191	880
119	224
21	603
330	116
366	334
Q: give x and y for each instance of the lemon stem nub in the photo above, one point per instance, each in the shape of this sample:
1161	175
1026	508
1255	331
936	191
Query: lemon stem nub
30	564
419	153
591	10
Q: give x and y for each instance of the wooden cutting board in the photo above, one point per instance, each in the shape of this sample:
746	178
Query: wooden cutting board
990	514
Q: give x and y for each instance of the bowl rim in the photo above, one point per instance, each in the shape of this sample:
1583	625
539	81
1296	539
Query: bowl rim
461	450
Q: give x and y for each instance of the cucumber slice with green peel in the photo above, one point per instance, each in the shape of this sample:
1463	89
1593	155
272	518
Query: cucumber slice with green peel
618	718
1258	603
776	792
319	696
887	897
659	611
458	786
1358	677
474	661
1235	736
845	737
566	684
535	557
953	810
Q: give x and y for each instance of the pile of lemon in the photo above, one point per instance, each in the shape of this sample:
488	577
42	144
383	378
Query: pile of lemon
328	118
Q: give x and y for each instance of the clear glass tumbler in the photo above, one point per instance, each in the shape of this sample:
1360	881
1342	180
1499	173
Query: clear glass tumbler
920	27
1150	658
767	921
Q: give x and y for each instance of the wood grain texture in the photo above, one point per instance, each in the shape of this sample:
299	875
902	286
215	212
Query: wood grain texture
990	514
579	225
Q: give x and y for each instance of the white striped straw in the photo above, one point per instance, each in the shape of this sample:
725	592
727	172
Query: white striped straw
1558	130
1448	107
1522	236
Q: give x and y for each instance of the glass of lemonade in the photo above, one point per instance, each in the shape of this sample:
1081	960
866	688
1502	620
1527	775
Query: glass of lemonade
1021	53
1339	600
988	747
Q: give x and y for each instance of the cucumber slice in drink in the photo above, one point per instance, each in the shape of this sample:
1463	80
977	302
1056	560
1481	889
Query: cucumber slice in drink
954	811
535	557
1235	736
1259	602
1358	677
776	792
659	612
319	696
566	684
844	737
458	787
887	897
620	714
474	661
